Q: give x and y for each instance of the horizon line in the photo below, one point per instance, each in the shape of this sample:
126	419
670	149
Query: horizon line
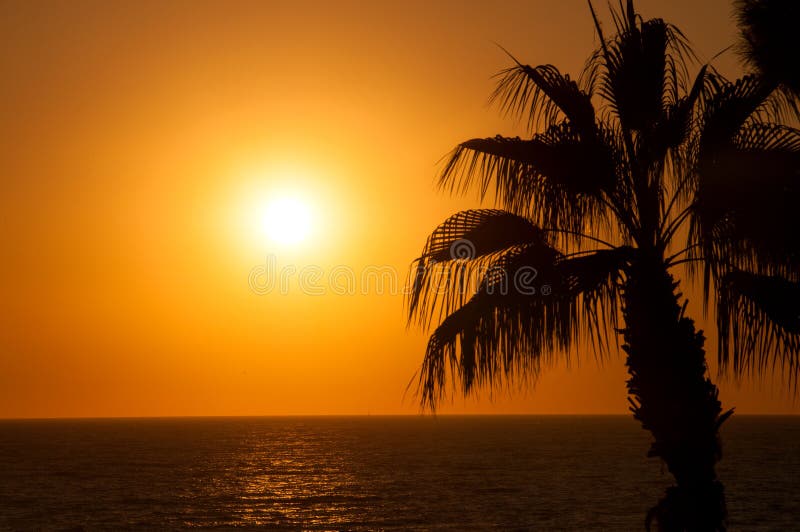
266	416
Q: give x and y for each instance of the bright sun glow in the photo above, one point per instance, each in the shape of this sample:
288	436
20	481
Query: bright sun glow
287	220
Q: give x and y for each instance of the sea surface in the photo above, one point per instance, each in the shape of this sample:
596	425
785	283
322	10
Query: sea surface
372	473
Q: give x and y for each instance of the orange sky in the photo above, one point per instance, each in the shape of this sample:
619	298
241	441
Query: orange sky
139	140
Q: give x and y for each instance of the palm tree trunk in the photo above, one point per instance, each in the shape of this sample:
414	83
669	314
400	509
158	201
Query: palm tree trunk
673	398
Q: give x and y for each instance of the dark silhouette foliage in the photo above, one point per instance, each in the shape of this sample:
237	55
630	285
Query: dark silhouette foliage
635	170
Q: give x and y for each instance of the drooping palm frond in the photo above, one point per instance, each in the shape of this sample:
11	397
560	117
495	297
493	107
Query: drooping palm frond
484	231
769	41
533	304
557	178
767	136
727	107
596	277
457	254
758	317
742	162
545	95
745	211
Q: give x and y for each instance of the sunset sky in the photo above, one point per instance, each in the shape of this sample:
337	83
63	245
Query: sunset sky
145	143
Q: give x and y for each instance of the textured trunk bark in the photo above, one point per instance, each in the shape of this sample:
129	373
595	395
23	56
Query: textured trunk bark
673	398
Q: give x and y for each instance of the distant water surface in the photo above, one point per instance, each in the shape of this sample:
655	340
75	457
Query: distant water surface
368	473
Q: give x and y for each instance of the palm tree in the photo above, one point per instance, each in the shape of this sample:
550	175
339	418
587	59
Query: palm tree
630	172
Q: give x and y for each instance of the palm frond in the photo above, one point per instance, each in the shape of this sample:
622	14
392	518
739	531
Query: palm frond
767	136
769	41
673	143
727	107
595	277
543	96
534	305
556	178
746	202
642	69
674	126
758	318
664	147
457	254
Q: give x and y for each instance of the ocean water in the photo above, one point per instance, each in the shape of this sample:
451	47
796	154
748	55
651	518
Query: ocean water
372	473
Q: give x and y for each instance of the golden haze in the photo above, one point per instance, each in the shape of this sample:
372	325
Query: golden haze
138	138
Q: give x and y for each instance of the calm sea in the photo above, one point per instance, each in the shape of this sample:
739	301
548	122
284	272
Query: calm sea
370	473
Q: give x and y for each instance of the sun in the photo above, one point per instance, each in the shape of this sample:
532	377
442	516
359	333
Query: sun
287	220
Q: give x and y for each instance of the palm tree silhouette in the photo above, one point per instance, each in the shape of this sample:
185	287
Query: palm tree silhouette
629	172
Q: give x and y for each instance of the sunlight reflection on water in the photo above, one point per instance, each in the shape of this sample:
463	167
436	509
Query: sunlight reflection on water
370	473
